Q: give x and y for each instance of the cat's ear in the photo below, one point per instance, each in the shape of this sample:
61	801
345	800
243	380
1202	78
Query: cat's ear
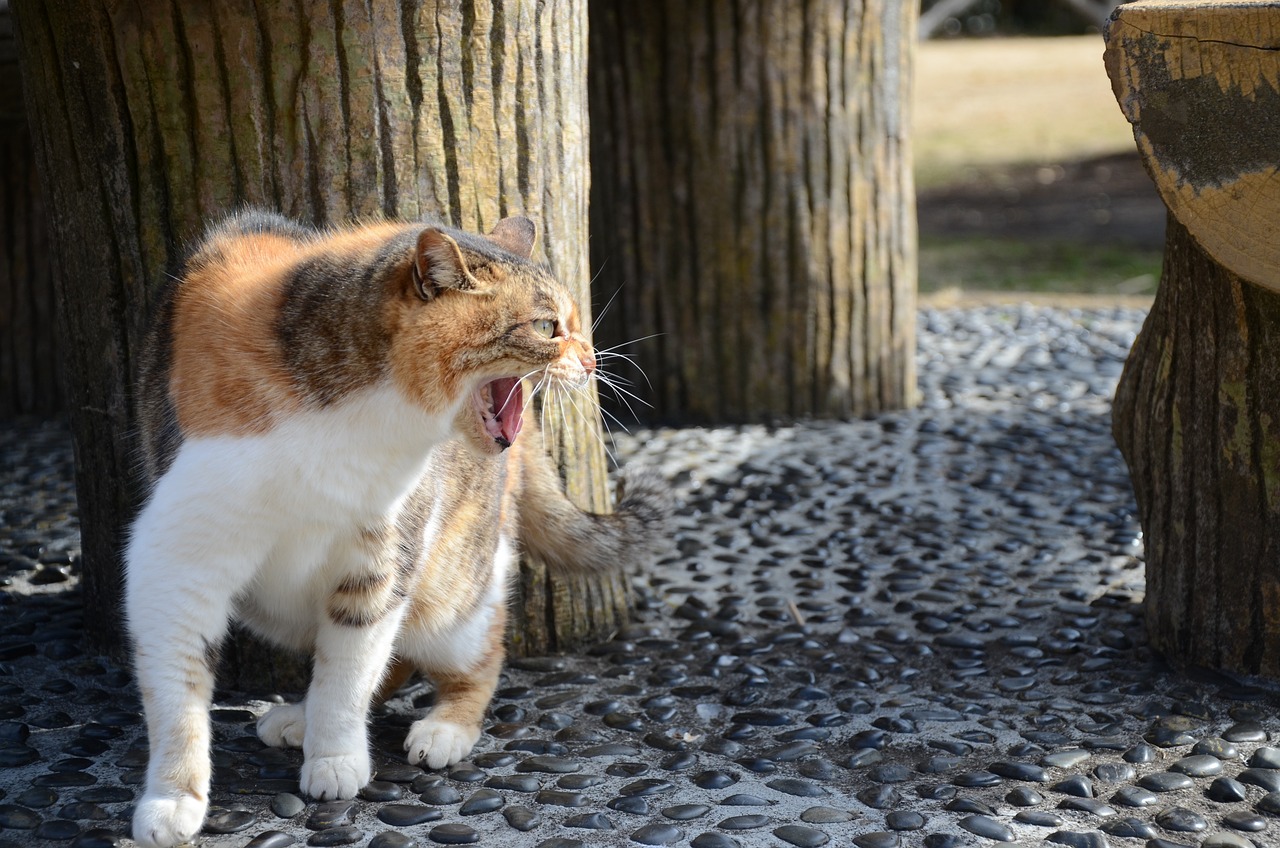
438	264
515	235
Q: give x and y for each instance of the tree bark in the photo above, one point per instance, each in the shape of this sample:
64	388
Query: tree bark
1197	411
153	118
752	204
1197	417
28	342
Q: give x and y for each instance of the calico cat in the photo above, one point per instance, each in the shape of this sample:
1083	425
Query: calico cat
329	426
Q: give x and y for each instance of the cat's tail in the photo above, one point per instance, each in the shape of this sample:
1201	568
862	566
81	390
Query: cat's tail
556	531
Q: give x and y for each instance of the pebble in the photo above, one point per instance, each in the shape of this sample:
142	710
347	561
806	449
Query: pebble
341	835
1223	839
1165	781
988	828
657	833
271	839
1038	818
747	822
228	821
1076	839
714	840
903	820
877	839
521	818
1129	828
407	815
1181	820
826	815
393	839
453	834
1244	820
801	836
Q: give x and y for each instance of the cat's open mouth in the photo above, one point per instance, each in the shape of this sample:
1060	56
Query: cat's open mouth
501	406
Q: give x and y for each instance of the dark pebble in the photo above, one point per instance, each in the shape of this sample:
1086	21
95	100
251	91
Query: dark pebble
330	814
1181	820
970	805
1087	805
286	805
1077	785
98	838
36	798
904	820
407	815
826	815
743	799
1268	779
1075	839
1226	790
1038	818
1140	754
629	804
521	818
1134	796
1244	820
1265	757
393	839
988	828
65	778
576	781
647	786
442	794
801	836
561	842
743	822
228	821
591	821
271	839
1220	748
481	801
57	829
1165	781
514	782
799	788
1024	796
714	779
17	818
685	812
343	835
1245	731
381	791
549	764
1269	803
453	834
560	798
405	773
714	840
1114	772
657	833
879	797
877	839
1020	771
1198	765
1129	828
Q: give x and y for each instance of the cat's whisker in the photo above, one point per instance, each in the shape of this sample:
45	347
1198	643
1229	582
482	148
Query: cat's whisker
612	298
633	341
594	432
622	393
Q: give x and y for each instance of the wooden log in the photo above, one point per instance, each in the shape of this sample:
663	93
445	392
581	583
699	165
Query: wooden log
1200	82
752	204
152	118
29	379
1197	411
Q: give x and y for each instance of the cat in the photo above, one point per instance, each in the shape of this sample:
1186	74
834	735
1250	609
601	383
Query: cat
329	428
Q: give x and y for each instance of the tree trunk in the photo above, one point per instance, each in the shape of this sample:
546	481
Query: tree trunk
1197	411
1197	417
28	343
152	118
753	206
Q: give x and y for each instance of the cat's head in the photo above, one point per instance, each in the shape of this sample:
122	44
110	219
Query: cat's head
475	317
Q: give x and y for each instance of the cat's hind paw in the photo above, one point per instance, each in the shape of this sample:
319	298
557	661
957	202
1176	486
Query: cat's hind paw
283	726
332	778
160	822
437	744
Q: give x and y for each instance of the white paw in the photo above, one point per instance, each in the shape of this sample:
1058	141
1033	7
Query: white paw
331	778
283	726
437	744
160	822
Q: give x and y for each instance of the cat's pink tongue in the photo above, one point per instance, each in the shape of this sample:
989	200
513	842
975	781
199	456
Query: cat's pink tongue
508	406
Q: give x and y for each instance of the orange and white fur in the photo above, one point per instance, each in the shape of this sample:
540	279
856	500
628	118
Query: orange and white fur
329	427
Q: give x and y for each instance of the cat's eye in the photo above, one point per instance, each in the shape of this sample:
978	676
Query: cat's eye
545	327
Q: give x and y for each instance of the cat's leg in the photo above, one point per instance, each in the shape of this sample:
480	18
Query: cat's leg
182	576
284	726
465	675
353	648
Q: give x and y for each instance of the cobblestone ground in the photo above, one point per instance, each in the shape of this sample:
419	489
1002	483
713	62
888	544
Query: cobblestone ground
921	629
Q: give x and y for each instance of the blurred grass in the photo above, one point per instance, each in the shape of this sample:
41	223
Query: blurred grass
997	104
1006	265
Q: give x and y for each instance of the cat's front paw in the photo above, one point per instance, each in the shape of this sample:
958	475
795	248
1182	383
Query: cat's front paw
331	778
160	822
283	726
437	744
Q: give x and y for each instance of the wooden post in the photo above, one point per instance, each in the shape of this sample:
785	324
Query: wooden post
151	118
29	383
752	203
1197	411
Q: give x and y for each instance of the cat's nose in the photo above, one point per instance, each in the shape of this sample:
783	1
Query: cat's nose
588	361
